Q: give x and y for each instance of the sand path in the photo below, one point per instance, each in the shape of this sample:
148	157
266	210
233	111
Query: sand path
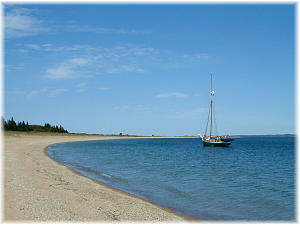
36	188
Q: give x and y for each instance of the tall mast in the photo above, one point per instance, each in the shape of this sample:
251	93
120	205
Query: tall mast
212	93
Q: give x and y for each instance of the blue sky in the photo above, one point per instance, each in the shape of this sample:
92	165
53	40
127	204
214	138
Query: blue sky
145	69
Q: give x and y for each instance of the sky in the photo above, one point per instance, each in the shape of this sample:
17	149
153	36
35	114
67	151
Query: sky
145	69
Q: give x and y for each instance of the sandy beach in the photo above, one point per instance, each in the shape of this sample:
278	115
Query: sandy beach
37	188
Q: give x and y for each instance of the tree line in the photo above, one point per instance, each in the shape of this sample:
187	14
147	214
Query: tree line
22	126
58	129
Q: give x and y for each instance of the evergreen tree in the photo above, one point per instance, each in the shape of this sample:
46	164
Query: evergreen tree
23	126
11	124
19	126
27	127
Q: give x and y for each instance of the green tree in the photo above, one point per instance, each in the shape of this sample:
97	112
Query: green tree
27	127
11	125
19	126
23	126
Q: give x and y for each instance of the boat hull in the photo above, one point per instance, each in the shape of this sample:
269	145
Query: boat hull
216	144
227	139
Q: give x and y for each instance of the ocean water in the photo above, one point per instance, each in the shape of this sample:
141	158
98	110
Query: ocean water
252	180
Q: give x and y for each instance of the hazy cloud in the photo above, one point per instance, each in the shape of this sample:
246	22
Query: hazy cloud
53	48
96	60
63	72
102	61
196	56
15	92
10	67
36	92
56	92
69	69
122	108
49	92
20	22
189	114
104	89
170	95
81	85
133	108
124	68
103	30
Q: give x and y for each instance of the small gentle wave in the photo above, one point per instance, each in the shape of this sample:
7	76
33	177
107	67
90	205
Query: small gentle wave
251	180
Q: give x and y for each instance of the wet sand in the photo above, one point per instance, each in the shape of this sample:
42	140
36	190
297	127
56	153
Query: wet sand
37	188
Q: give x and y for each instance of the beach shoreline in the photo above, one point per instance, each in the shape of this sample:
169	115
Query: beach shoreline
38	188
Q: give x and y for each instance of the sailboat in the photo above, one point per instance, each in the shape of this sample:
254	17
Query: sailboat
211	140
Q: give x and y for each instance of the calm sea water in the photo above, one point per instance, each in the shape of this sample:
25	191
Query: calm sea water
253	179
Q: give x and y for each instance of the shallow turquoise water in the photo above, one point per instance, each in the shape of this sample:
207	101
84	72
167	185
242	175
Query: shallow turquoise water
253	179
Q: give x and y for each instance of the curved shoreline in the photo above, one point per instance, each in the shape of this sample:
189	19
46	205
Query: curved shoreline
168	209
42	189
